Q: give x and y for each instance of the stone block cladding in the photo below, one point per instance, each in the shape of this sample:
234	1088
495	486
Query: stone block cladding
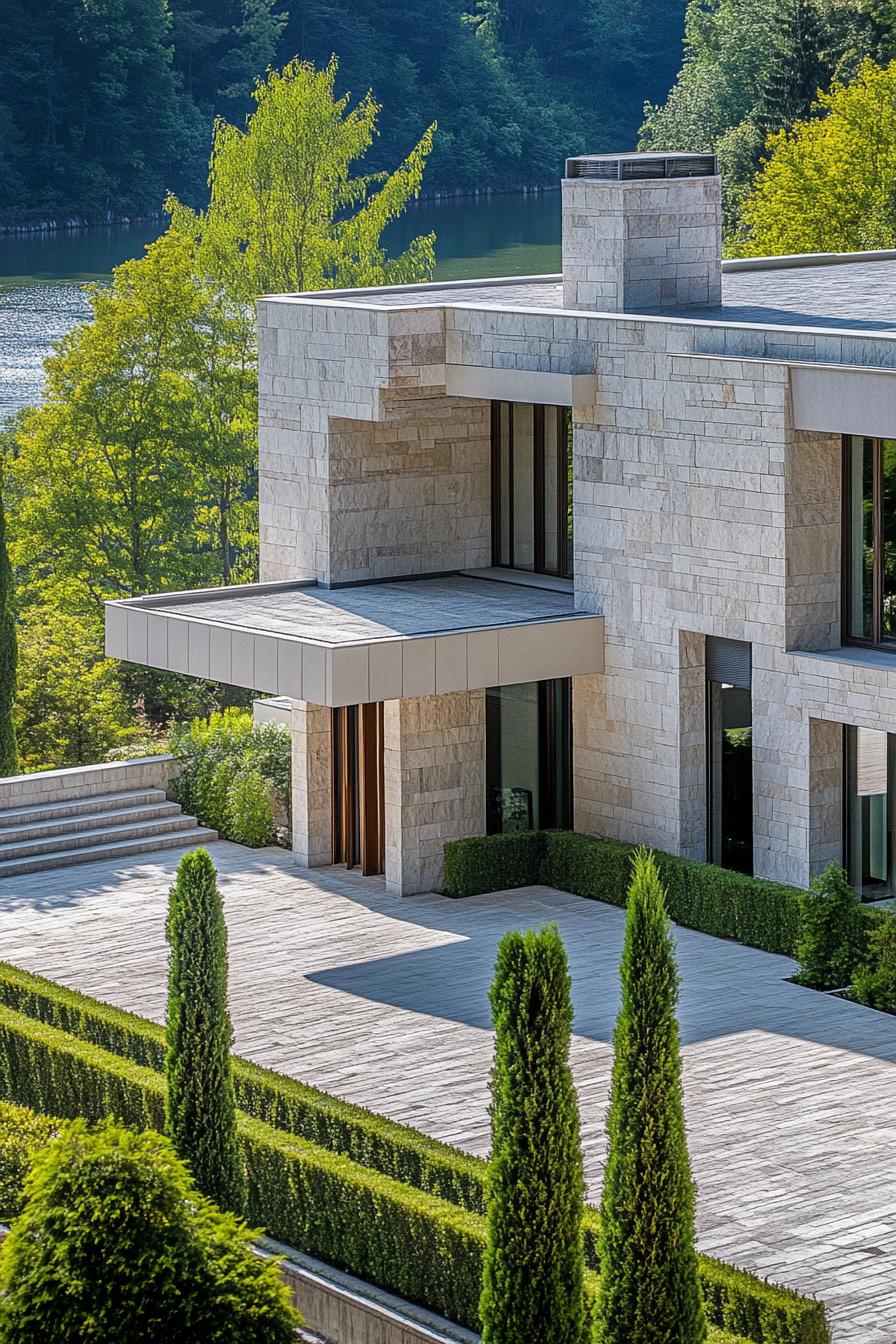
699	510
434	775
366	469
312	841
641	244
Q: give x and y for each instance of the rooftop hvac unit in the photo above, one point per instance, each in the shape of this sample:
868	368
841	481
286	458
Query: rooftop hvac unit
640	167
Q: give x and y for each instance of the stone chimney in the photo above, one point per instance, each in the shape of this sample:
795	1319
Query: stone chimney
642	232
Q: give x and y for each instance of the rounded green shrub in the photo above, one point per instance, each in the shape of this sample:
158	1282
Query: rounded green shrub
216	755
250	813
534	1264
649	1288
115	1245
22	1134
832	940
200	1107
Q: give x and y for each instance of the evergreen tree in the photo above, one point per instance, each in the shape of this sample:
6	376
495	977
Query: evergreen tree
532	1283
116	1244
833	932
649	1292
8	658
200	1112
797	68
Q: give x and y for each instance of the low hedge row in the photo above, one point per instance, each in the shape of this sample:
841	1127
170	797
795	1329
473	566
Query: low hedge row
44	1067
699	895
374	1141
321	1202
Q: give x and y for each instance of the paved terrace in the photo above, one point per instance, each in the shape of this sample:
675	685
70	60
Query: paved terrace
853	296
791	1095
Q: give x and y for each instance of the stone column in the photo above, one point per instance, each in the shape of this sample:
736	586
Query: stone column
312	841
434	771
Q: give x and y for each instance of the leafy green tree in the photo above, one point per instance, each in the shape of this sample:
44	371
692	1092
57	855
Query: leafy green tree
533	1272
833	931
116	1245
828	182
70	709
220	47
134	474
286	213
9	652
751	68
200	1107
649	1292
98	121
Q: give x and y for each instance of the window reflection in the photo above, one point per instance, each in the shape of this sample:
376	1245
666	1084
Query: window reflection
870	526
532	487
529	755
870	779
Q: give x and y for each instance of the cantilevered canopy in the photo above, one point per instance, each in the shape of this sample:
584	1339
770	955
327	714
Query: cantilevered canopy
345	646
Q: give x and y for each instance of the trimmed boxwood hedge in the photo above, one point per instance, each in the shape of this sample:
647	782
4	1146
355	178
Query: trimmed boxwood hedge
44	1067
373	1140
699	895
422	1247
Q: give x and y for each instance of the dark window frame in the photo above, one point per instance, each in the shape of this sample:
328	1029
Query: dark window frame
564	567
875	640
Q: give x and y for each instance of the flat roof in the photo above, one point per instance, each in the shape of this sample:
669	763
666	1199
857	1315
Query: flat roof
838	292
379	641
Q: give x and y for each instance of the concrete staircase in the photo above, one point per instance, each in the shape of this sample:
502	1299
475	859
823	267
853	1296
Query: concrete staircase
54	833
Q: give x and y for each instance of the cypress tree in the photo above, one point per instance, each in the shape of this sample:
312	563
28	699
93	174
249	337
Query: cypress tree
200	1111
532	1285
9	759
649	1292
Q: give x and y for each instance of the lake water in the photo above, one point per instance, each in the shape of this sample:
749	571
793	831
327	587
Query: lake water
42	277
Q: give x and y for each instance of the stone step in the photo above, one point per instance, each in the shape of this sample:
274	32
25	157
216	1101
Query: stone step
188	839
95	835
85	821
78	806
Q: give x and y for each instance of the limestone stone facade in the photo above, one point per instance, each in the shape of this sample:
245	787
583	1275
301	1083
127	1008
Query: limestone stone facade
636	243
706	502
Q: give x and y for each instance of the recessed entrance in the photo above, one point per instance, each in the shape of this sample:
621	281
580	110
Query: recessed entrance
359	831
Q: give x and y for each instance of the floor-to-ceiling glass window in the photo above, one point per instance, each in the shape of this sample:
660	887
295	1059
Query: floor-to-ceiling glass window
528	735
729	754
869	517
871	804
532	487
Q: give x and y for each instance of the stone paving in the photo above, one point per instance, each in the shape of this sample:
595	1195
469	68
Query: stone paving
791	1095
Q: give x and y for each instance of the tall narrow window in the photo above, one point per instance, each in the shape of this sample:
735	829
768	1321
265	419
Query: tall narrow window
871	805
729	754
531	494
529	755
869	529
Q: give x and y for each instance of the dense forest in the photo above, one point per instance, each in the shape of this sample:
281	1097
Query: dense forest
106	106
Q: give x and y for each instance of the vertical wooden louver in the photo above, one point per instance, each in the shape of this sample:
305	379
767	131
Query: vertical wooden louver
358	813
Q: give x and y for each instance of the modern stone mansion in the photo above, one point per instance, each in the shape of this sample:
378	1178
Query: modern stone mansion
614	549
